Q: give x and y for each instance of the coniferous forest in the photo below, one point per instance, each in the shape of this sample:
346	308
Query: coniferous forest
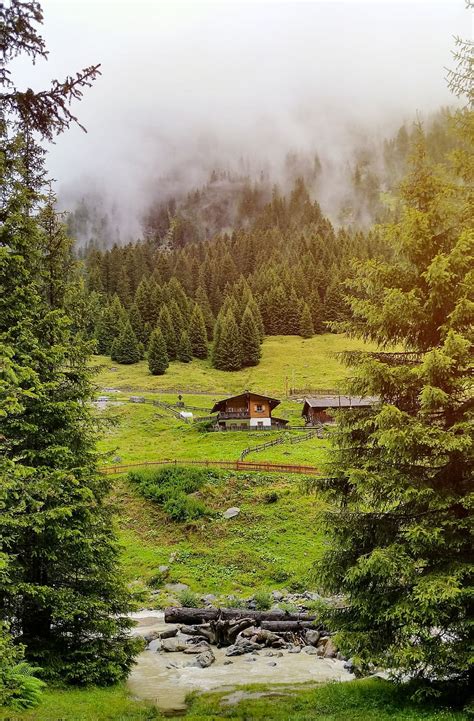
145	550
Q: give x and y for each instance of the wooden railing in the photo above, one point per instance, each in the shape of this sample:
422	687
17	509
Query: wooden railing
230	465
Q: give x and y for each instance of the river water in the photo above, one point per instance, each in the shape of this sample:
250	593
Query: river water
166	678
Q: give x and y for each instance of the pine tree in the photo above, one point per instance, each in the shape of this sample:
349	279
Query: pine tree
60	590
185	352
169	334
125	348
400	546
197	333
306	329
249	339
227	353
109	324
157	355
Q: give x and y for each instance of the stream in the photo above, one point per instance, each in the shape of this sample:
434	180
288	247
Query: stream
167	678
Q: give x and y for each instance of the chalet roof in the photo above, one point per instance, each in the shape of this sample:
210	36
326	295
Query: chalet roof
283	421
340	402
220	405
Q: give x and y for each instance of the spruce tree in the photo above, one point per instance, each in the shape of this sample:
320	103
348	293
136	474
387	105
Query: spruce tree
227	354
157	355
60	590
125	348
185	352
401	480
169	334
198	333
306	329
249	339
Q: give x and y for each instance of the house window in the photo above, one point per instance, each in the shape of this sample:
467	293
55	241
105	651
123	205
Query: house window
260	424
259	408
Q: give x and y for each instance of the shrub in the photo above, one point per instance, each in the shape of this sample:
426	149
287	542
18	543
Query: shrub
233	602
189	599
19	687
263	600
270	497
180	507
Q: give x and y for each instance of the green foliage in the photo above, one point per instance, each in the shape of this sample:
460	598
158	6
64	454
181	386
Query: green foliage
185	352
234	602
249	339
60	592
169	334
198	333
306	329
19	687
188	599
227	354
170	488
125	348
263	600
157	354
400	546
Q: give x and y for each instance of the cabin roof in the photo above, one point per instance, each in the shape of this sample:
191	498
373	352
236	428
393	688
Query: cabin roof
220	405
340	402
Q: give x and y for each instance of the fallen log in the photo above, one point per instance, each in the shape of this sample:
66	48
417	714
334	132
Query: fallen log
291	626
196	616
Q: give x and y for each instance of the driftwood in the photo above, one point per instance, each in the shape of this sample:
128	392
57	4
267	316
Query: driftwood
193	616
283	626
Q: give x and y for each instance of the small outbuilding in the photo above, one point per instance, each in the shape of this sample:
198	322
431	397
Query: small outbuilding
319	409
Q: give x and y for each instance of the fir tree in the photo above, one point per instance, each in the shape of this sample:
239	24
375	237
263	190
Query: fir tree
197	333
60	590
185	352
249	339
306	329
125	348
400	547
227	354
157	355
169	334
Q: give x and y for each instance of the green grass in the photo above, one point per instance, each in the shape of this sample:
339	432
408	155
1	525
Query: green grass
286	361
269	545
142	435
90	704
365	700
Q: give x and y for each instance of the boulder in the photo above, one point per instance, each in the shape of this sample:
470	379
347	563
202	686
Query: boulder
242	646
176	587
151	636
171	645
330	650
294	649
154	646
168	633
231	512
197	648
310	650
312	637
205	659
277	596
163	569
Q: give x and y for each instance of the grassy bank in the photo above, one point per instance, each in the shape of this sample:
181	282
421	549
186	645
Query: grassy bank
365	700
287	361
273	543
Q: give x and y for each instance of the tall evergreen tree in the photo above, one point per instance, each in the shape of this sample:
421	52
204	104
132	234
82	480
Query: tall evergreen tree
198	333
249	339
60	590
169	334
125	348
185	352
227	354
400	545
157	354
306	329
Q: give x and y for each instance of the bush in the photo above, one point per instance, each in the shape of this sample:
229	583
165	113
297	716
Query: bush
263	600
234	602
189	599
170	488
180	507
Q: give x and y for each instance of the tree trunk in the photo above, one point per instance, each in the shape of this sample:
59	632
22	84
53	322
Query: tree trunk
192	616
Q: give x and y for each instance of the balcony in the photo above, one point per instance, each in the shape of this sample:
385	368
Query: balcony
226	415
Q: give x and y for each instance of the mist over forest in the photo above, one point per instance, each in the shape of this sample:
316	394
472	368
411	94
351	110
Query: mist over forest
240	93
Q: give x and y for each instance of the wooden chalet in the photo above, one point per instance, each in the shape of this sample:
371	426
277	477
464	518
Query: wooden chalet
247	411
319	409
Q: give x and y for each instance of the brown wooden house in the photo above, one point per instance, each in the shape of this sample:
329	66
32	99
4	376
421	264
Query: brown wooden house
247	411
320	408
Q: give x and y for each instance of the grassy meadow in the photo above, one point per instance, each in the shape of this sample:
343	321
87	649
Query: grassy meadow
287	361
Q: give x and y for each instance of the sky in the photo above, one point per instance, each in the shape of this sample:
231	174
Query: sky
188	85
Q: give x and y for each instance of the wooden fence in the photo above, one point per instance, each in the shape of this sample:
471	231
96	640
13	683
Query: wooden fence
230	465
